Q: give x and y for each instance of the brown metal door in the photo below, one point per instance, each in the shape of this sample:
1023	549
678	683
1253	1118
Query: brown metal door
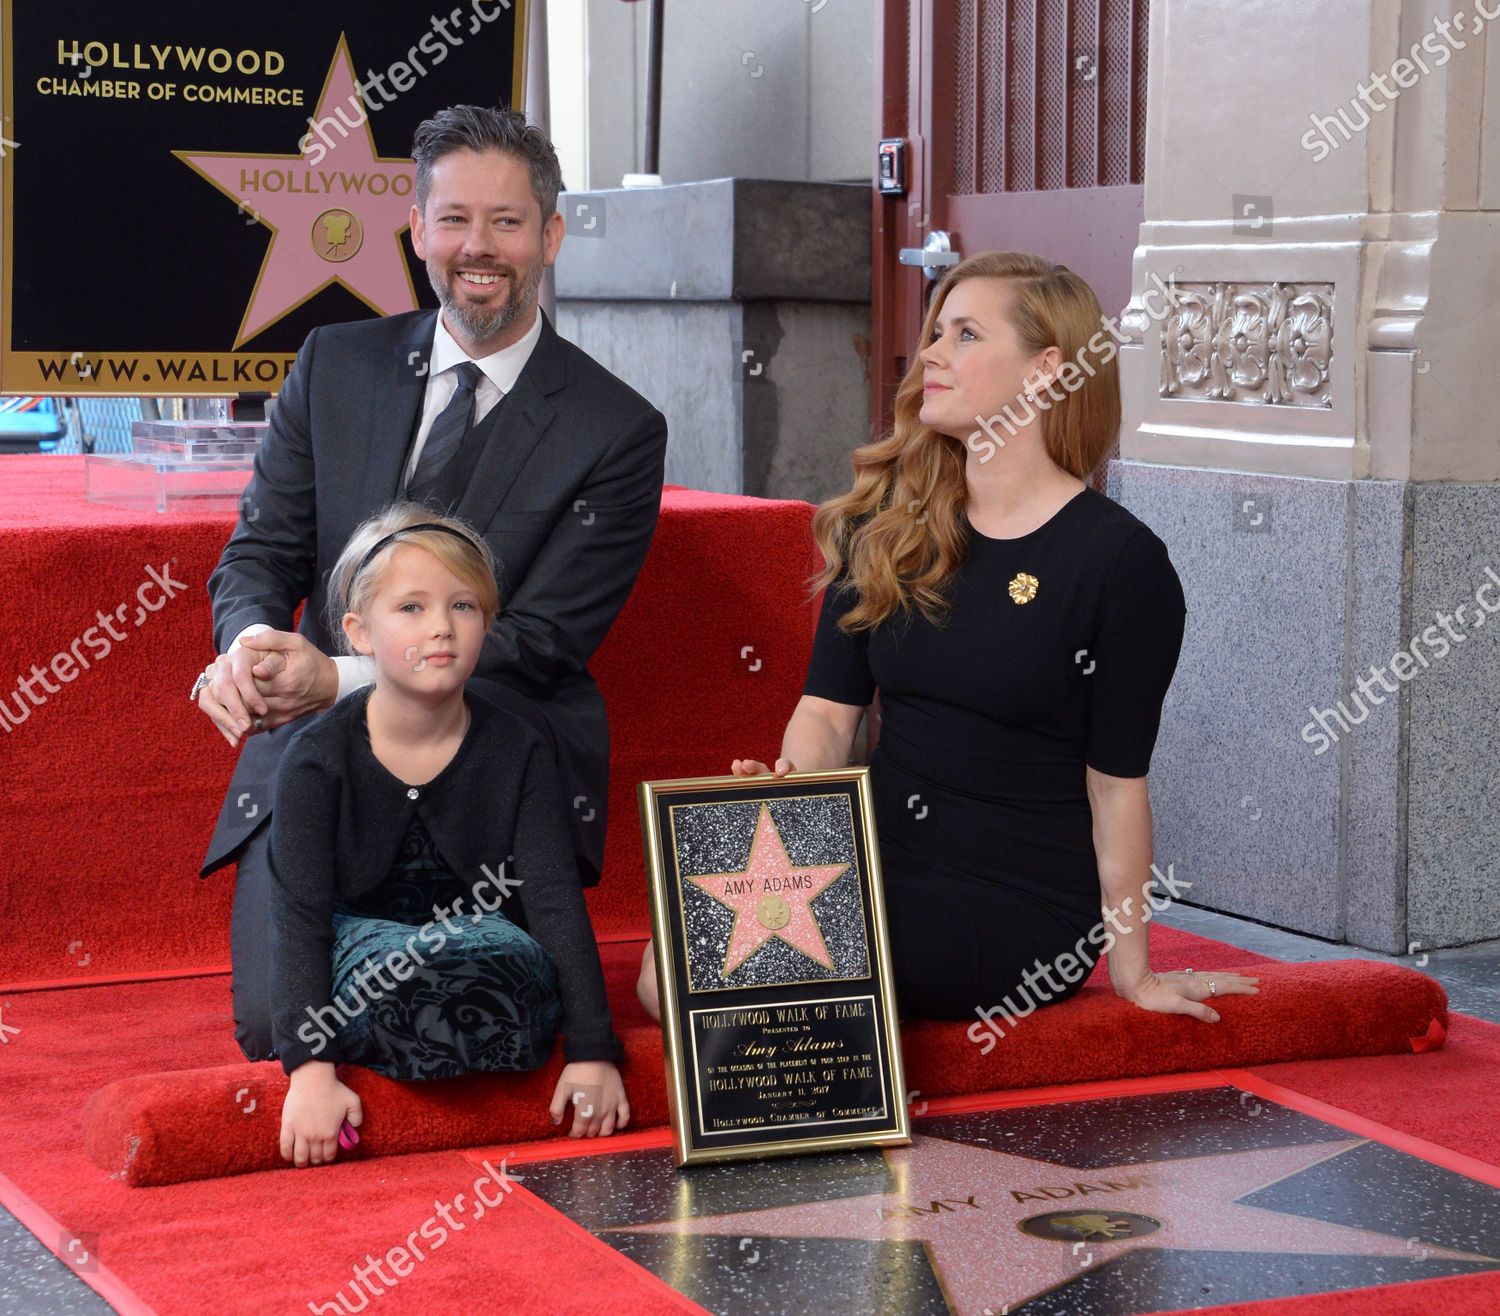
1025	123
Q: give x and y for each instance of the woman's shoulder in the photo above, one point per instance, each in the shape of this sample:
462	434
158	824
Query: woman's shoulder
1116	531
1135	570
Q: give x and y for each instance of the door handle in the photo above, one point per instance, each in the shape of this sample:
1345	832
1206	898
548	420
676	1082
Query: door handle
934	256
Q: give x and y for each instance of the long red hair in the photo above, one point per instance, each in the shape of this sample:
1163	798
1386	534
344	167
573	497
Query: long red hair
899	528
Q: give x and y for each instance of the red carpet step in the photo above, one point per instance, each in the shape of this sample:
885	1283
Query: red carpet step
182	1126
114	783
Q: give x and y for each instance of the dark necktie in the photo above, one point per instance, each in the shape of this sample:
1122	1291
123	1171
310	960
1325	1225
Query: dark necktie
448	430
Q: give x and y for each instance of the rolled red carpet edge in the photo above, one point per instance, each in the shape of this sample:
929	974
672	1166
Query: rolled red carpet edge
204	1123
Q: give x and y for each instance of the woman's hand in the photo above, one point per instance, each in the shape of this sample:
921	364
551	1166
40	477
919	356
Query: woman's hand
1184	993
315	1108
752	767
597	1094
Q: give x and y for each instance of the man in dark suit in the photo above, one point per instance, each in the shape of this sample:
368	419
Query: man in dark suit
481	410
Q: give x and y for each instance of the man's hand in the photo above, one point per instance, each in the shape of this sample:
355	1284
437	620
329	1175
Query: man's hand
275	676
595	1091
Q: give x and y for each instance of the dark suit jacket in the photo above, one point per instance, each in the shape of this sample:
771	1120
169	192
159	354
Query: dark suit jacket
566	495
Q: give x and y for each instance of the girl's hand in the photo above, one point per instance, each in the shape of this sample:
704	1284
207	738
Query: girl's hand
1184	993
752	767
316	1106
597	1094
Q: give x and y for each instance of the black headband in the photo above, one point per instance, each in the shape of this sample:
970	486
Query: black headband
421	525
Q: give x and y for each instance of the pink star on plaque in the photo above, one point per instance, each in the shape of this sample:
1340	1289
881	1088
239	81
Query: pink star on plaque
770	897
336	211
1001	1229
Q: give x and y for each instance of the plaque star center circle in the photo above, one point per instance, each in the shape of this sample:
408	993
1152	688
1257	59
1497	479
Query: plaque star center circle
1092	1226
773	912
337	235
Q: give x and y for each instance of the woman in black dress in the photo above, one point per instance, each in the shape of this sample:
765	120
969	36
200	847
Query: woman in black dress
1022	630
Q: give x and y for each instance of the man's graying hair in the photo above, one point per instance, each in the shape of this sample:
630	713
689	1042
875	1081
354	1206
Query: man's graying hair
481	128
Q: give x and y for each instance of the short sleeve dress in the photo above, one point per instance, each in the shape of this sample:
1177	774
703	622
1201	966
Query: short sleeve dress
1055	656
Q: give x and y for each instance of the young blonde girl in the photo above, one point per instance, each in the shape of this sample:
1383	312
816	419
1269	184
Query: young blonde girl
426	915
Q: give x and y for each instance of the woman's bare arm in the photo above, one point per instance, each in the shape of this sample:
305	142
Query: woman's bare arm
819	735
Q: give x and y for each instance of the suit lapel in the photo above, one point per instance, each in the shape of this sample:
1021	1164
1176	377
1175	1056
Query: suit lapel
527	414
393	412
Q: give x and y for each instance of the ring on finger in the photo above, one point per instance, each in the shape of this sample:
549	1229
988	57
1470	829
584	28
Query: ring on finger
260	724
1212	989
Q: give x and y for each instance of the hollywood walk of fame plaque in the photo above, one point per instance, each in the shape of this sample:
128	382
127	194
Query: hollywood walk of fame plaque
237	175
773	965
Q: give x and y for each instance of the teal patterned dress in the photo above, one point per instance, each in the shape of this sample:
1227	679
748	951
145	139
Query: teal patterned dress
481	993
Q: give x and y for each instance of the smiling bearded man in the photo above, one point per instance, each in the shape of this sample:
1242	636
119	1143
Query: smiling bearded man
481	411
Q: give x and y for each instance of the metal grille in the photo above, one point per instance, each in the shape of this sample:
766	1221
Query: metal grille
1083	93
1114	81
1140	41
1052	75
1018	109
991	96
1048	94
100	425
965	134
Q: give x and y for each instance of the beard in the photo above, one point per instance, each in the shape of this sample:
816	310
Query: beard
479	323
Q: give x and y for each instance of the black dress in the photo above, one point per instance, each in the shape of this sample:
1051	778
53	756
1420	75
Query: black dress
365	965
484	999
1056	654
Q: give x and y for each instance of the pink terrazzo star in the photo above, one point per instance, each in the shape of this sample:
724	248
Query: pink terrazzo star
966	1204
307	200
770	897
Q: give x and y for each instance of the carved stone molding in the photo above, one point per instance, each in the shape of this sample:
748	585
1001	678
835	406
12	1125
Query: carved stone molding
1268	343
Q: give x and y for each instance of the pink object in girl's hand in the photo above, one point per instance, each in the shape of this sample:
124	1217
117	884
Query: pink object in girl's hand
347	1136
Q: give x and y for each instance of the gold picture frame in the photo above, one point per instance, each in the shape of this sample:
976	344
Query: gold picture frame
779	1019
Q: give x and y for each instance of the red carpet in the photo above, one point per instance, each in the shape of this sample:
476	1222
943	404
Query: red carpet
158	1128
225	1242
114	783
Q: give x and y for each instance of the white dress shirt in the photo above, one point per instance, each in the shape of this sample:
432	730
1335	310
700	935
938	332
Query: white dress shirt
499	372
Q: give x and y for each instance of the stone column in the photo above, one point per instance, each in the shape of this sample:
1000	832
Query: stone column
741	308
1311	428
